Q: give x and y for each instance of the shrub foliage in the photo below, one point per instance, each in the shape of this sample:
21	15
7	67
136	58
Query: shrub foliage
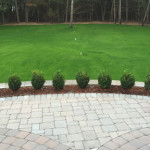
104	80
37	79
82	79
147	82
127	80
58	81
14	82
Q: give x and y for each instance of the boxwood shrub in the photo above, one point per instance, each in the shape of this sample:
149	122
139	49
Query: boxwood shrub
82	79
58	81
147	82
14	82
127	80
37	79
104	80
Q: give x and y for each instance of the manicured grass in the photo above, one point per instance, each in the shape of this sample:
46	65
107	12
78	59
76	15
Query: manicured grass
53	47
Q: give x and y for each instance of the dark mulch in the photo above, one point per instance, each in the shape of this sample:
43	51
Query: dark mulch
73	89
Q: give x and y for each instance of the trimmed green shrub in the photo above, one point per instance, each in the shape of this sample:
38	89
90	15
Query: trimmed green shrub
147	82
127	81
58	81
14	82
37	79
82	79
104	80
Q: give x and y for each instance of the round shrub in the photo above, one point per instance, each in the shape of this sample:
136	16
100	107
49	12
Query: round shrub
37	80
127	81
147	82
104	80
58	81
82	79
14	82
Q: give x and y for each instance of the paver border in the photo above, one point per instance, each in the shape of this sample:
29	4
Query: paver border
134	135
76	95
10	139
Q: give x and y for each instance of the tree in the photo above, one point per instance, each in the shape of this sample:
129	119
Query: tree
2	9
26	11
71	14
146	13
120	21
81	10
67	10
103	4
115	11
127	9
17	13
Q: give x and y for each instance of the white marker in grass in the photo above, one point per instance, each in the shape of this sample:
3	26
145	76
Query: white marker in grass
75	39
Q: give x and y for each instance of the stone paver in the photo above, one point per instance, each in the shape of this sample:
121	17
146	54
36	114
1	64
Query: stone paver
79	121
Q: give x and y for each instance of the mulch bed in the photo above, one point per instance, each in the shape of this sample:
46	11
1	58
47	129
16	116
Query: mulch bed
73	89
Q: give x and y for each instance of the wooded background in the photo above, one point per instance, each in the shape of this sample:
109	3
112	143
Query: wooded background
58	11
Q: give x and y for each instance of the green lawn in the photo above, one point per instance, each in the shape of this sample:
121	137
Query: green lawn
53	47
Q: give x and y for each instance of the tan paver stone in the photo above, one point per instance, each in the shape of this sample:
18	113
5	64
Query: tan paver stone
29	145
41	140
40	147
9	140
51	144
119	141
32	137
19	142
22	135
13	148
4	146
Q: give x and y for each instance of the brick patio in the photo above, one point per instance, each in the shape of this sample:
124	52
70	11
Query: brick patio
79	121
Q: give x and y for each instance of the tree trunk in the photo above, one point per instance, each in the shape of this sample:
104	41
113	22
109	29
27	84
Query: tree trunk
58	15
115	11
138	11
17	13
26	13
103	9
127	10
120	21
67	11
38	14
3	18
146	13
71	14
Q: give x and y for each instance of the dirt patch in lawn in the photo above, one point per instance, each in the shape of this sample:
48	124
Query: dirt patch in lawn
73	89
